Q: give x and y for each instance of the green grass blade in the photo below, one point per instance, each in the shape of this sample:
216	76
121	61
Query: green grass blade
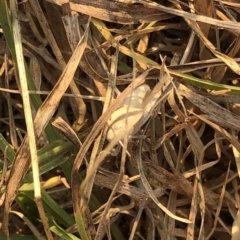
206	84
61	232
50	206
5	147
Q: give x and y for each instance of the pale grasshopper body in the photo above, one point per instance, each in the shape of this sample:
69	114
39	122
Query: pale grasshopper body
131	111
136	108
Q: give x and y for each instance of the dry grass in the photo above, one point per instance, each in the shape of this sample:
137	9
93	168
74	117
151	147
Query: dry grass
175	172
